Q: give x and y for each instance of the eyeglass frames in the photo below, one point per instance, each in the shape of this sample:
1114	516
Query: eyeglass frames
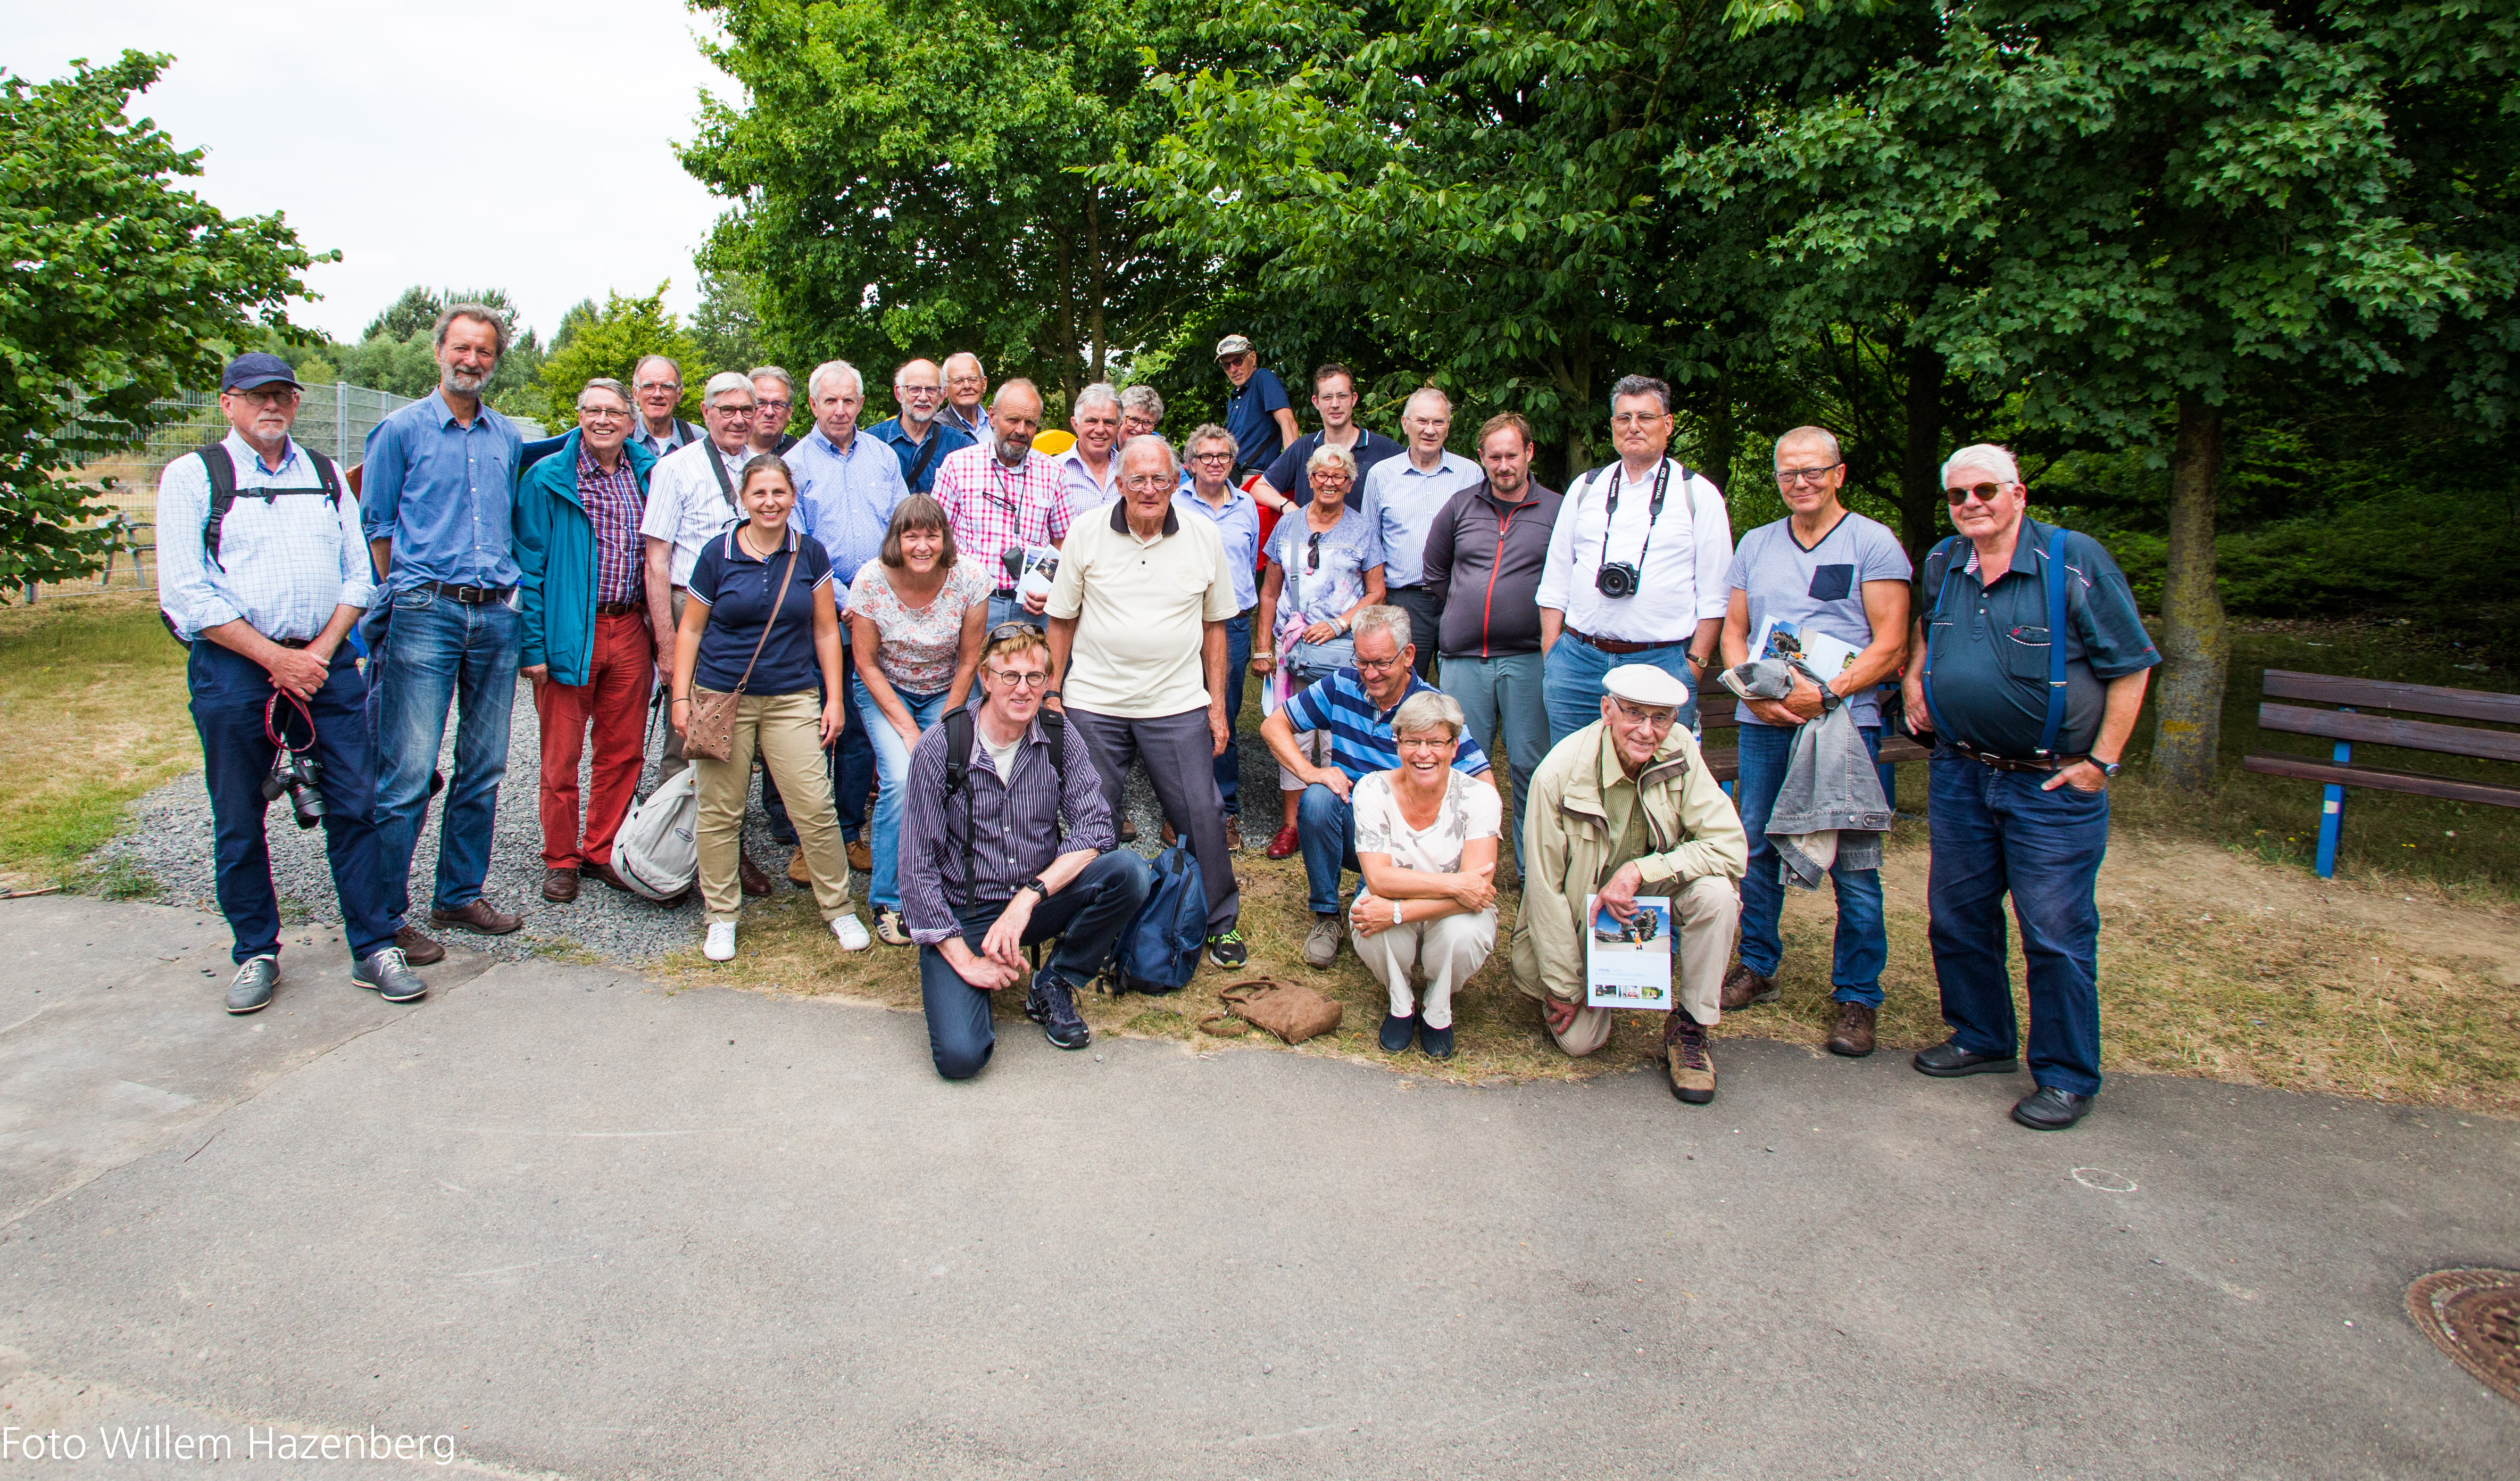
1984	493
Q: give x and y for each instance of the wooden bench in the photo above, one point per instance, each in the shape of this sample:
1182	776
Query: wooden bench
2347	723
1725	761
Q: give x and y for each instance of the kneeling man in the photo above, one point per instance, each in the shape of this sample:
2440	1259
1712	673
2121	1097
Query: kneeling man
972	911
1622	808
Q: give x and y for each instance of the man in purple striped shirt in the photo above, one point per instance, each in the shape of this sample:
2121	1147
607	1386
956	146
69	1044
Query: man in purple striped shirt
984	872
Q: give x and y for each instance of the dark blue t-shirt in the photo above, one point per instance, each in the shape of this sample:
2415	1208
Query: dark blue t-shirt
1287	475
1989	644
1251	415
736	588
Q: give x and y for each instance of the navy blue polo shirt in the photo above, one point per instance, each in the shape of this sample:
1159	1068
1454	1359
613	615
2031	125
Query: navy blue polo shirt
736	589
1989	644
1287	475
1250	414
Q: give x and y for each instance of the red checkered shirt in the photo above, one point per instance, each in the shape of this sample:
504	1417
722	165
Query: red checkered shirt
994	506
613	505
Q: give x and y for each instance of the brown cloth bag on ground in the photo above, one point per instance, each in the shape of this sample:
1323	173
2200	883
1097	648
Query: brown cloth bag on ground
710	731
1290	1010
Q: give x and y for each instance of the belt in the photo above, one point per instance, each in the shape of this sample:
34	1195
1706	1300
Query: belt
470	596
617	609
293	642
1622	645
1412	586
2013	762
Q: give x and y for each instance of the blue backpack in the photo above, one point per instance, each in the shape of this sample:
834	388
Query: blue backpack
1159	950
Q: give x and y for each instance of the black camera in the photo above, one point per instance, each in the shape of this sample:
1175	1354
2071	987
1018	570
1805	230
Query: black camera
1618	578
296	773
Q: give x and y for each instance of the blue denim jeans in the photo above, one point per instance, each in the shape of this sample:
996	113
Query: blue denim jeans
1326	822
1863	943
1237	667
439	651
1011	609
1996	832
1572	687
892	765
1501	697
1087	917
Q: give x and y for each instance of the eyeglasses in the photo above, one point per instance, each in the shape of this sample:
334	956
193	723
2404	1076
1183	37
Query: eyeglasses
963	382
1984	493
1333	395
1650	717
660	386
1786	477
1003	630
772	405
1331	479
1377	665
1211	457
1424	742
285	396
1022	679
1640	417
917	390
603	413
731	412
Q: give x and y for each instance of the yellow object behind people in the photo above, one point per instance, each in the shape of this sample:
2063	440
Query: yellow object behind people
1053	443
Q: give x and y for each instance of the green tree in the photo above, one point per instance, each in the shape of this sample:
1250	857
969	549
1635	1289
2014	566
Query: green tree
728	329
116	288
610	343
398	354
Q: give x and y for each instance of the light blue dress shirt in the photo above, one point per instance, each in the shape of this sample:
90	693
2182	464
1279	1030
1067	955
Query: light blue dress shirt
285	564
846	498
444	493
1403	500
1237	528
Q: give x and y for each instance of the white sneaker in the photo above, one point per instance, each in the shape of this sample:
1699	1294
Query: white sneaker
720	946
852	933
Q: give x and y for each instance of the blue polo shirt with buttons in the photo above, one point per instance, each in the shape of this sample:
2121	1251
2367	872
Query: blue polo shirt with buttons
1988	644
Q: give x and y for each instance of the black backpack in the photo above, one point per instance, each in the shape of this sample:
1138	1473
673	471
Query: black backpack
223	494
959	725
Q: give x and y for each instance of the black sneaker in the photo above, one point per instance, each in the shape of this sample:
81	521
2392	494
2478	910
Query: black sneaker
1052	1004
1226	948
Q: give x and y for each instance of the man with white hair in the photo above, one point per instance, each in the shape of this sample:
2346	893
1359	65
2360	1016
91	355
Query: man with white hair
918	435
1087	469
2028	665
966	385
774	400
1621	808
1401	498
1005	496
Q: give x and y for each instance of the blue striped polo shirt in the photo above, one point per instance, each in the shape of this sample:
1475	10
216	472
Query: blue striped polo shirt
1360	734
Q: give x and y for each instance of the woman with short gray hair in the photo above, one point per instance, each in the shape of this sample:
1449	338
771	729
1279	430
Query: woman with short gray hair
1427	838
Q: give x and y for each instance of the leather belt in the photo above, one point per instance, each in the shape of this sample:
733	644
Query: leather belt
1622	645
617	609
2013	762
470	596
293	642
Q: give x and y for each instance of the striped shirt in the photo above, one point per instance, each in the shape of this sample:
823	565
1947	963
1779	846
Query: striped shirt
1361	740
993	506
613	505
1010	826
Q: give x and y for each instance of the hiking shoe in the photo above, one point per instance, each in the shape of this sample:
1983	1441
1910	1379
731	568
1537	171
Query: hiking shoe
251	993
1052	1004
1284	845
388	974
1397	1031
1743	987
862	857
478	917
417	948
1437	1042
1321	942
720	944
1692	1069
891	928
1853	1037
797	874
748	876
851	932
1226	948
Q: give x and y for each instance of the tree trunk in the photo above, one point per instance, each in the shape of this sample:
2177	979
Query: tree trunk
1920	467
2196	650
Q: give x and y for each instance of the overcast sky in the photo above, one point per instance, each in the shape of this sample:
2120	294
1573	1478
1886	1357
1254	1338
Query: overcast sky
525	144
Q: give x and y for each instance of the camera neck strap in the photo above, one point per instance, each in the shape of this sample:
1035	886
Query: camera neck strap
1617	473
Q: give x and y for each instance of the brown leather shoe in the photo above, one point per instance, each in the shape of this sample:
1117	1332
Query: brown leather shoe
750	875
1128	830
1692	1069
560	886
416	949
1168	833
480	917
1232	835
1743	987
861	857
797	874
1853	1037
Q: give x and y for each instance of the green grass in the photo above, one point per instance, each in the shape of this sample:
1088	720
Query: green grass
92	713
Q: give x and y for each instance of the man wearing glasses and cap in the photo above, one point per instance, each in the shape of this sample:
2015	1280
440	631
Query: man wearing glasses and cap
2033	666
263	588
1256	409
1625	806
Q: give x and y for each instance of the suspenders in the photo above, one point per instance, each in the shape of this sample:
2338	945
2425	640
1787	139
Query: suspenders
2053	578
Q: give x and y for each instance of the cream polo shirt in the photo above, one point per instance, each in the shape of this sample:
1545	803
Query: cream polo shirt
1141	609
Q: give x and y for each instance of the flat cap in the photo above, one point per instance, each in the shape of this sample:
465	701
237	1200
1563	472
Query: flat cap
1232	344
247	371
1646	685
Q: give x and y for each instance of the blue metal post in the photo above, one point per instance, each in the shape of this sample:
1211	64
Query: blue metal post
2331	812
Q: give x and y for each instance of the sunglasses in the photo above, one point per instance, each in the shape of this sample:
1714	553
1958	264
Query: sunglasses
1984	493
1003	630
1313	552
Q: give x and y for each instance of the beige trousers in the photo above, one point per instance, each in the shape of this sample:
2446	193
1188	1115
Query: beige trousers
1450	948
1313	746
1707	912
784	728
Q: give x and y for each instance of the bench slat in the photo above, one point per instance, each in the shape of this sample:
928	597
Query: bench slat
2378	731
2377	694
2450	789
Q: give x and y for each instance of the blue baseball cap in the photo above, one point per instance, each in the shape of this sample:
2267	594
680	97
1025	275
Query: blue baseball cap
247	371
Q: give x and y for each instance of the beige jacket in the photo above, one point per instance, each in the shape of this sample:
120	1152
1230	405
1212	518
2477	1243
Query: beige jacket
1691	828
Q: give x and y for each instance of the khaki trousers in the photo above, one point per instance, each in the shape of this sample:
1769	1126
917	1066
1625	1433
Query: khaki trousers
1707	913
1450	948
783	729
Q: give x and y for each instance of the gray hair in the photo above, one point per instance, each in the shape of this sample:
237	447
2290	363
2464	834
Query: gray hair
1094	396
1985	457
814	382
646	360
1642	385
1428	710
722	383
1335	456
1836	455
1429	390
946	370
1143	398
1147	439
1391	620
479	313
773	373
607	383
1209	431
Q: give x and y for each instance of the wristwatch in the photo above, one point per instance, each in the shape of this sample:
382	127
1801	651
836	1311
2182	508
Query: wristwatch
2107	768
1034	884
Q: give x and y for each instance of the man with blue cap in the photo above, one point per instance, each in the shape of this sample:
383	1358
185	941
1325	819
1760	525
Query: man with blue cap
262	570
1621	808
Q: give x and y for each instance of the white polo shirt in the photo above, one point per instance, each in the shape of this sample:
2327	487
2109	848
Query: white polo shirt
687	506
1684	568
1141	609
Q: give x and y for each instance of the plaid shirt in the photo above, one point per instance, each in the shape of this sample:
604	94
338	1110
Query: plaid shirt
612	503
994	506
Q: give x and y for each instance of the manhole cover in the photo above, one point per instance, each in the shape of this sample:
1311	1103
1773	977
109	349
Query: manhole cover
2474	1316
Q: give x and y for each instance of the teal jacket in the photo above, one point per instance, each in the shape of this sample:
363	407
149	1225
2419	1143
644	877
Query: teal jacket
556	562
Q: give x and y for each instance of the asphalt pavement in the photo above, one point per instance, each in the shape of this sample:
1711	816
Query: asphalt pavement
559	1221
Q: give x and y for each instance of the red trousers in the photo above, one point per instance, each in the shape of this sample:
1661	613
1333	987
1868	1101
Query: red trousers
615	704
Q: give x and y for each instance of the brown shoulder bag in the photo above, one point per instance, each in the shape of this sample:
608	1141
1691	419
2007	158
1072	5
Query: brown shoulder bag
1290	1010
712	731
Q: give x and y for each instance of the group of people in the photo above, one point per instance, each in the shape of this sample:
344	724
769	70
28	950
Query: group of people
948	647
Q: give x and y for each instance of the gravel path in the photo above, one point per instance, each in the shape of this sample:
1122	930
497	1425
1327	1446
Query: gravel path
168	839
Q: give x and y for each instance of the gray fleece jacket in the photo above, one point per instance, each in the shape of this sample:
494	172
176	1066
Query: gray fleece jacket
1830	810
